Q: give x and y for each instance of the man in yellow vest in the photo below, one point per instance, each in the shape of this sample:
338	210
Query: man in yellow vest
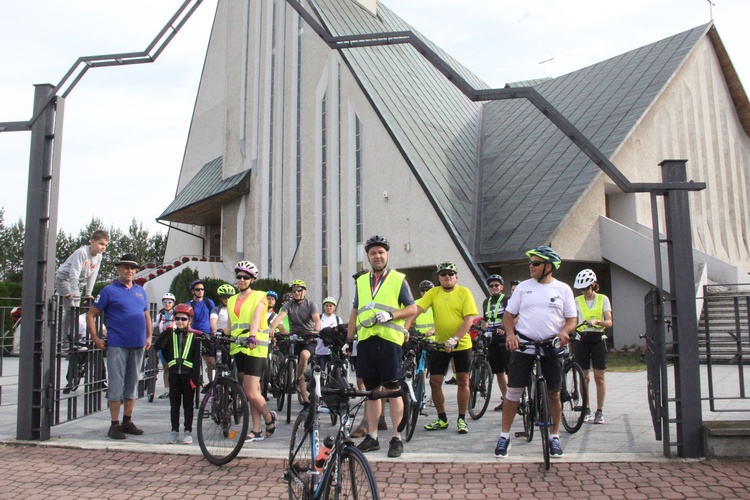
383	301
591	350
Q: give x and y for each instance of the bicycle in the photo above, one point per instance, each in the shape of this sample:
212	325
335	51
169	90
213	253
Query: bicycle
415	379
337	368
480	376
342	472
574	394
287	376
536	406
224	414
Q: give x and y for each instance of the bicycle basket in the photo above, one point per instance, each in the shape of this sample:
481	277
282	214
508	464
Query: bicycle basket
332	338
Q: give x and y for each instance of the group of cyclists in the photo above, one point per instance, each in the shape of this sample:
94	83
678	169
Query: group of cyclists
383	311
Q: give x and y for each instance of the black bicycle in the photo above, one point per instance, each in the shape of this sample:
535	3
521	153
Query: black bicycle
287	383
337	367
574	394
333	467
224	414
480	375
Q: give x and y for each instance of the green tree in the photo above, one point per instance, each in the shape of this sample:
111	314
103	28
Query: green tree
13	245
157	246
137	241
66	245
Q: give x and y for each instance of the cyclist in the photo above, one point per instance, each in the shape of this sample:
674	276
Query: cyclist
247	310
202	308
164	320
181	349
303	318
329	318
497	354
382	303
219	318
591	350
541	308
454	310
271	298
424	323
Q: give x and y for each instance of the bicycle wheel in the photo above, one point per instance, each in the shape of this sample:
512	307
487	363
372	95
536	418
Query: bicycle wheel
416	406
301	459
353	478
290	387
574	398
338	373
544	420
281	388
223	420
275	362
530	410
480	387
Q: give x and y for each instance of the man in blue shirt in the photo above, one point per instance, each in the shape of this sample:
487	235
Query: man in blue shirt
128	335
202	308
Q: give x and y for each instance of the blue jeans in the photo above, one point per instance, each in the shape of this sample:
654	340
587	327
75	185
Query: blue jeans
124	367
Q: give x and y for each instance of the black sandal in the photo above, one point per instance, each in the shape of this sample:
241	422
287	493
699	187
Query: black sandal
271	427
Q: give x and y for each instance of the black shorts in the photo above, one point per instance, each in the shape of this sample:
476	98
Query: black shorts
499	357
521	365
591	355
250	365
379	363
440	360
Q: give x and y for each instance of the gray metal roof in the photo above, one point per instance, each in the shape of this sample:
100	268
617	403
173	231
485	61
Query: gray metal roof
200	200
531	176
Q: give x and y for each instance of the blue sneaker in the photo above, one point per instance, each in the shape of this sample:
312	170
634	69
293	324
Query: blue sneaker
503	445
555	450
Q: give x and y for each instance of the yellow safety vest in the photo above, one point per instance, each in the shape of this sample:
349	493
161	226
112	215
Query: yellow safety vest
425	321
492	316
185	350
588	314
386	300
243	322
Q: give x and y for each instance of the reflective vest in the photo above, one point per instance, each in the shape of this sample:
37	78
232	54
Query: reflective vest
184	359
386	299
425	321
492	316
588	314
243	322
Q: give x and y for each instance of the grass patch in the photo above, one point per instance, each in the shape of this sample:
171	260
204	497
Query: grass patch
625	362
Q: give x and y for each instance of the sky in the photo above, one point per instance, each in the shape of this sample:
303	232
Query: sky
125	128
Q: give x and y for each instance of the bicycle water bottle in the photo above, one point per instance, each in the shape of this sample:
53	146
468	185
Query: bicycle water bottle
323	453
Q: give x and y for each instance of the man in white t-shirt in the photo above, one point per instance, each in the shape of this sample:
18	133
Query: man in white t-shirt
541	308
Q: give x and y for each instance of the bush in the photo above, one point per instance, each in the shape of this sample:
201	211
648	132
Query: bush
277	286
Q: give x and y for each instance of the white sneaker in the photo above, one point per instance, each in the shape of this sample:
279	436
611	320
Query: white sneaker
187	438
588	417
174	436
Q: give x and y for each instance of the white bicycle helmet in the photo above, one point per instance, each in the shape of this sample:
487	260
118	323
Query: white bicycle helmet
585	279
168	296
247	267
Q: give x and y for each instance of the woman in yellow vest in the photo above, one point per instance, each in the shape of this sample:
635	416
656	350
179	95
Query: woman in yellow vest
591	350
247	320
182	355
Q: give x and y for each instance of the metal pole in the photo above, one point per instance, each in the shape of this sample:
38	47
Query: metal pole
684	324
34	377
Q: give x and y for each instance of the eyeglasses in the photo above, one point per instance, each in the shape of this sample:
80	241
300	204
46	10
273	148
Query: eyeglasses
198	289
446	273
536	263
496	285
243	277
181	318
299	290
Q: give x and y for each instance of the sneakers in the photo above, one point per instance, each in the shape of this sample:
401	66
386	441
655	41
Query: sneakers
503	445
130	428
555	450
588	417
382	426
395	448
254	436
462	426
437	425
174	436
115	432
599	417
187	438
165	394
368	444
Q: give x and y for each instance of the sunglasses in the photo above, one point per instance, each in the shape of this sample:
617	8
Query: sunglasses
299	290
536	263
198	289
181	318
495	286
167	301
243	277
446	273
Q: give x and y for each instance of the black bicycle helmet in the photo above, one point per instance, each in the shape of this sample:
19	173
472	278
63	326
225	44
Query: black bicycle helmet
495	277
426	285
377	241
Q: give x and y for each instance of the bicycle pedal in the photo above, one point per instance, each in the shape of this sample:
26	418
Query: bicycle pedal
520	434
